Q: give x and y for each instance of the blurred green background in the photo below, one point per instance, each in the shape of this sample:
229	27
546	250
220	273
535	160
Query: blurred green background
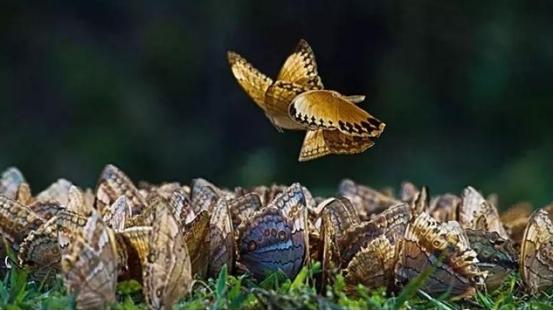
465	89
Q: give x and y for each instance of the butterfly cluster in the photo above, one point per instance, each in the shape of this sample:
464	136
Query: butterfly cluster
166	236
297	100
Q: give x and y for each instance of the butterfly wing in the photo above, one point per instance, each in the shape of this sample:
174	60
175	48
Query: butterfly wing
319	143
478	214
167	274
112	184
89	260
325	109
536	251
222	239
10	181
301	68
252	81
17	220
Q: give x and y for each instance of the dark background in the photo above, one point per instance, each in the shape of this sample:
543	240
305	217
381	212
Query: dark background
465	90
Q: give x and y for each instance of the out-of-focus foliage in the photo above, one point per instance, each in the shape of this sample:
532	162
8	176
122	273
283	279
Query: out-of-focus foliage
464	87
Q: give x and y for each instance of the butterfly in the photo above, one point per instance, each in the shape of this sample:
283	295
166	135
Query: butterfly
17	220
515	220
242	207
297	100
442	250
366	201
89	259
496	256
167	273
222	239
391	223
204	195
56	192
10	181
445	207
536	251
112	184
373	265
479	214
117	214
337	215
197	238
275	237
39	251
133	246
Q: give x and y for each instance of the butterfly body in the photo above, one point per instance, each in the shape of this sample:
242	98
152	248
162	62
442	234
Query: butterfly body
297	100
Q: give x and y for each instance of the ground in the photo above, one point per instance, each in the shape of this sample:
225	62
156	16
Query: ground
18	291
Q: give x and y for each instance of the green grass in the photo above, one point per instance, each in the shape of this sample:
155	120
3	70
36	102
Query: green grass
17	291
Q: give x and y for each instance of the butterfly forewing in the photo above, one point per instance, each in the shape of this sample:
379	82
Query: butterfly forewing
89	259
536	251
253	82
10	181
167	274
222	239
301	67
112	184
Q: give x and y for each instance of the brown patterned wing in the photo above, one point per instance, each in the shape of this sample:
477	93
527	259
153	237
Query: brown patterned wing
24	195
10	181
320	143
478	214
445	207
117	214
366	201
17	220
56	192
496	255
373	265
441	250
329	110
391	223
112	184
536	251
337	216
40	252
204	195
197	237
167	274
180	204
243	206
222	239
133	246
515	220
301	67
76	202
252	81
89	260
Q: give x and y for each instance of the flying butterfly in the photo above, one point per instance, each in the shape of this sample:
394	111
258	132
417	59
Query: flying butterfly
297	100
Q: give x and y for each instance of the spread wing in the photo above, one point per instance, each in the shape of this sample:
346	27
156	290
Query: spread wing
254	83
324	109
301	67
320	143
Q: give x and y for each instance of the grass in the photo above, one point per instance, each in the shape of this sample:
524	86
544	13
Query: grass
226	291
